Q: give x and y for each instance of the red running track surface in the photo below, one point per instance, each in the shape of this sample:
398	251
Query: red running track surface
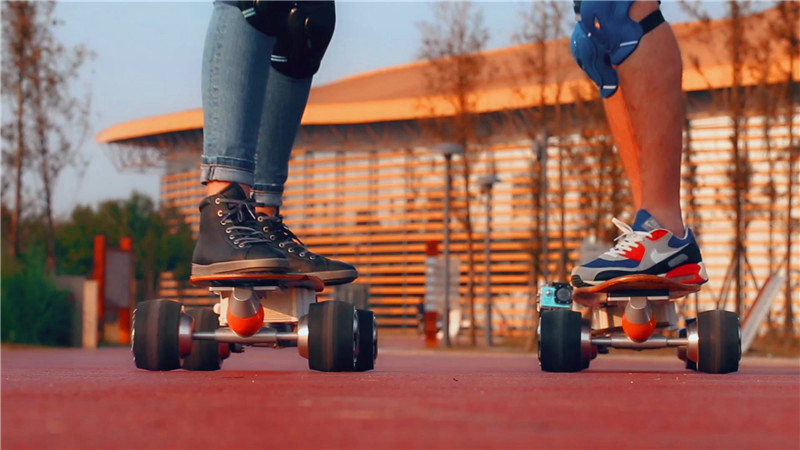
416	398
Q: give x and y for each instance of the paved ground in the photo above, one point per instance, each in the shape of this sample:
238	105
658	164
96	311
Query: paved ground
268	398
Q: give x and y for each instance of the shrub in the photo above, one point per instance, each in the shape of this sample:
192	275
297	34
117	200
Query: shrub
33	310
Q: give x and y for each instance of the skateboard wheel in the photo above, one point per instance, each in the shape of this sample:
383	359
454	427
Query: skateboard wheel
205	355
333	337
560	341
367	340
719	341
154	335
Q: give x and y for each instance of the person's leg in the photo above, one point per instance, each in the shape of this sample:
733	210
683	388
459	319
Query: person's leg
295	59
642	99
234	77
285	101
235	70
651	107
629	151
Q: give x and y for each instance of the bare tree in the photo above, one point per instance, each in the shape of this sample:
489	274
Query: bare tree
786	32
50	122
17	54
766	105
542	25
740	172
452	43
733	100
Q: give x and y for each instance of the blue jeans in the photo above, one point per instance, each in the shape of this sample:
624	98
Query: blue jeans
251	111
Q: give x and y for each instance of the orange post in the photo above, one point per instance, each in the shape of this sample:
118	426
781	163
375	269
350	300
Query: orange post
431	318
99	274
126	244
124	315
432	248
431	321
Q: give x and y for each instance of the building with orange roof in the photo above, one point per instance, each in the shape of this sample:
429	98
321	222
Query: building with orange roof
365	187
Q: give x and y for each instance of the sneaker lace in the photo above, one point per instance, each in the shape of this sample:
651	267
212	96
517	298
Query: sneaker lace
240	215
285	237
628	239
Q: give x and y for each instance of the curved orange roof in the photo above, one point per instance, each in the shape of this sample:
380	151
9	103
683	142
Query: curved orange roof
400	92
149	126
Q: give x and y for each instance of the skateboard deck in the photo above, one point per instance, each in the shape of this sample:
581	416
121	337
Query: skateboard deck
283	280
632	285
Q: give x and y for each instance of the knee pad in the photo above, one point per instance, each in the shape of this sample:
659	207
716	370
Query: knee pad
266	16
301	45
593	60
605	36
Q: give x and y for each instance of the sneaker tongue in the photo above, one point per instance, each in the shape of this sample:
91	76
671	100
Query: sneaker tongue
271	219
645	222
277	226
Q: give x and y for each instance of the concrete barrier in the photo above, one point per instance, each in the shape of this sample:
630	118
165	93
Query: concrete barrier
84	307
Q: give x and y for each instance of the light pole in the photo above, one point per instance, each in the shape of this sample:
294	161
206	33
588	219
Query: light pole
486	183
541	155
447	149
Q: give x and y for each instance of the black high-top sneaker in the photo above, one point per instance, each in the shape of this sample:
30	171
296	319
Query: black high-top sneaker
302	260
230	240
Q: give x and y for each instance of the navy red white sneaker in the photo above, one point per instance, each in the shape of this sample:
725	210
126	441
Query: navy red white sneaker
646	248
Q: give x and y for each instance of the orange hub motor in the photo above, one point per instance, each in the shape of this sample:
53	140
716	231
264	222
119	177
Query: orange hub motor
245	314
246	326
638	321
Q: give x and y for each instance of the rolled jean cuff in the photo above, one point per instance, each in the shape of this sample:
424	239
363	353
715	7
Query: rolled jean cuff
220	172
269	195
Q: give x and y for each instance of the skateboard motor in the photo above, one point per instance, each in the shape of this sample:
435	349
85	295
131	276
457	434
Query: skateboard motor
245	314
638	321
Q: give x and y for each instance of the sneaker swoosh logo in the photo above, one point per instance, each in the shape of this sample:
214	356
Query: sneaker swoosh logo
657	256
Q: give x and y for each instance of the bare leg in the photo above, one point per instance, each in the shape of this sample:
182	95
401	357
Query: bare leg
214	187
629	150
650	79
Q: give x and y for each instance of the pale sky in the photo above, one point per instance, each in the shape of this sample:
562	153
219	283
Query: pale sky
149	58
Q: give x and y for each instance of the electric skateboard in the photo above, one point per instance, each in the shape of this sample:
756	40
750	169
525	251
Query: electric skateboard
634	312
259	310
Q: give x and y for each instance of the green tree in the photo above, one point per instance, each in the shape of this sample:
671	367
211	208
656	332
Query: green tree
162	241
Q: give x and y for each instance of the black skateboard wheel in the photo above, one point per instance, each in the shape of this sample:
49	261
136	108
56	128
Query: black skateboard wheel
154	339
719	341
367	340
333	338
205	355
560	341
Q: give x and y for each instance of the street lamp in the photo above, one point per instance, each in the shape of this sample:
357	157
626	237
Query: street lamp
486	182
540	148
448	149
